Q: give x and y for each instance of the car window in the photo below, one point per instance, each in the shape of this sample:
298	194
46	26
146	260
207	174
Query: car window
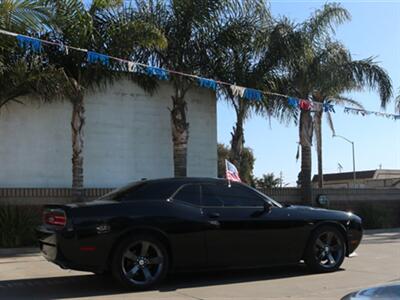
145	191
190	194
116	194
210	196
230	196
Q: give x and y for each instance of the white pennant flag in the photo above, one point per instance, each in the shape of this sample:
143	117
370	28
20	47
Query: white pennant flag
237	90
131	67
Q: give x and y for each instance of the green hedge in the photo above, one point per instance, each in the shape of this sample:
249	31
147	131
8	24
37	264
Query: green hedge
17	225
378	216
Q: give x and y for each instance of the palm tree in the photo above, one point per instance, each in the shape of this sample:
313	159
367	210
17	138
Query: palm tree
342	74
308	37
321	70
104	26
189	26
251	50
268	181
237	55
22	16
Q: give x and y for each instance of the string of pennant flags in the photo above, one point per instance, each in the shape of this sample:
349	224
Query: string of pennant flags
363	112
36	46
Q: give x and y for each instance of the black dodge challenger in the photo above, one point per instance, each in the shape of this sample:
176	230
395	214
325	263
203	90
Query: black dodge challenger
142	231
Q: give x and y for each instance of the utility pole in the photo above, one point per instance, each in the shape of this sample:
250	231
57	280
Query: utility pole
354	158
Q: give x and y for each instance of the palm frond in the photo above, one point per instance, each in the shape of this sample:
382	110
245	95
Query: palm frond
126	32
324	20
23	15
367	72
31	77
100	5
330	122
397	105
341	100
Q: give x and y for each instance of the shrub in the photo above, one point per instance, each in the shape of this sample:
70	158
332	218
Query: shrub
17	225
377	216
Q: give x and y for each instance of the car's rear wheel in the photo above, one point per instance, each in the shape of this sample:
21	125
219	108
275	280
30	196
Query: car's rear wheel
326	250
140	262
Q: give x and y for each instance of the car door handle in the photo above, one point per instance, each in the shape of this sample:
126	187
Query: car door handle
214	215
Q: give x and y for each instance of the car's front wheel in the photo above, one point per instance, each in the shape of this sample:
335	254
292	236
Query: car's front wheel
140	262
326	250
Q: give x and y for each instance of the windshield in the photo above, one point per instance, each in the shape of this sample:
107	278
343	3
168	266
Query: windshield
274	202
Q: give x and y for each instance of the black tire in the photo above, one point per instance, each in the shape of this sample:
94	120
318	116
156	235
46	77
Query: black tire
326	250
140	262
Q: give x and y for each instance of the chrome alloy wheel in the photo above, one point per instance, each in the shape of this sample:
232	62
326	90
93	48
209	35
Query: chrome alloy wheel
142	262
328	249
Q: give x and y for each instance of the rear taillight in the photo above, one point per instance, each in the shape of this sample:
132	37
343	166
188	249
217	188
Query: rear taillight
55	217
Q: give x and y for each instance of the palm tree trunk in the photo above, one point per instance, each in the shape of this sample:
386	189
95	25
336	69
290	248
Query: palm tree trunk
237	142
306	143
318	132
77	125
180	132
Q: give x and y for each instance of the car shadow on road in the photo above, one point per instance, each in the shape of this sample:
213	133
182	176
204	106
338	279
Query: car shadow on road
70	287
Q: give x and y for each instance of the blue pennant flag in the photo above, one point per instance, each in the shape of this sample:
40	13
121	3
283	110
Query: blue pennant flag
252	94
328	107
161	74
25	42
94	57
208	83
293	102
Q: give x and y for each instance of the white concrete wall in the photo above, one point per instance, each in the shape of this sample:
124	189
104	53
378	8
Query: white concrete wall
127	137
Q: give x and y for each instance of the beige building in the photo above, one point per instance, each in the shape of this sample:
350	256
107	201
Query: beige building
379	178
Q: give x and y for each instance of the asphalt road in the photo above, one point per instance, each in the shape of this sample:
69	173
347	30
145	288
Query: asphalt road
28	276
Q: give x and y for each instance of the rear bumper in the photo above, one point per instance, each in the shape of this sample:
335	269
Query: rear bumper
47	243
51	246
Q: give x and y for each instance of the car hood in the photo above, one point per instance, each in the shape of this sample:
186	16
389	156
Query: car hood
310	208
388	292
321	212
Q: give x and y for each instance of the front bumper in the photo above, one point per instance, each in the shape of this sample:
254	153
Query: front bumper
354	235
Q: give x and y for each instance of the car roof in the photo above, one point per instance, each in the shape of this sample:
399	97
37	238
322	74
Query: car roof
185	180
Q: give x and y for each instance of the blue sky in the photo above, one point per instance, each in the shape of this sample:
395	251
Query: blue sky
373	31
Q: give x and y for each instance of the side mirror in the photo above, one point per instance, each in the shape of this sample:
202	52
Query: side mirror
267	207
266	210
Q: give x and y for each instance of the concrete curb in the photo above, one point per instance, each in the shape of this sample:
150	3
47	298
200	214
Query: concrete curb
23	251
387	230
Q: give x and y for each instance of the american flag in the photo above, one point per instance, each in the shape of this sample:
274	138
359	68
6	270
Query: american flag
231	171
